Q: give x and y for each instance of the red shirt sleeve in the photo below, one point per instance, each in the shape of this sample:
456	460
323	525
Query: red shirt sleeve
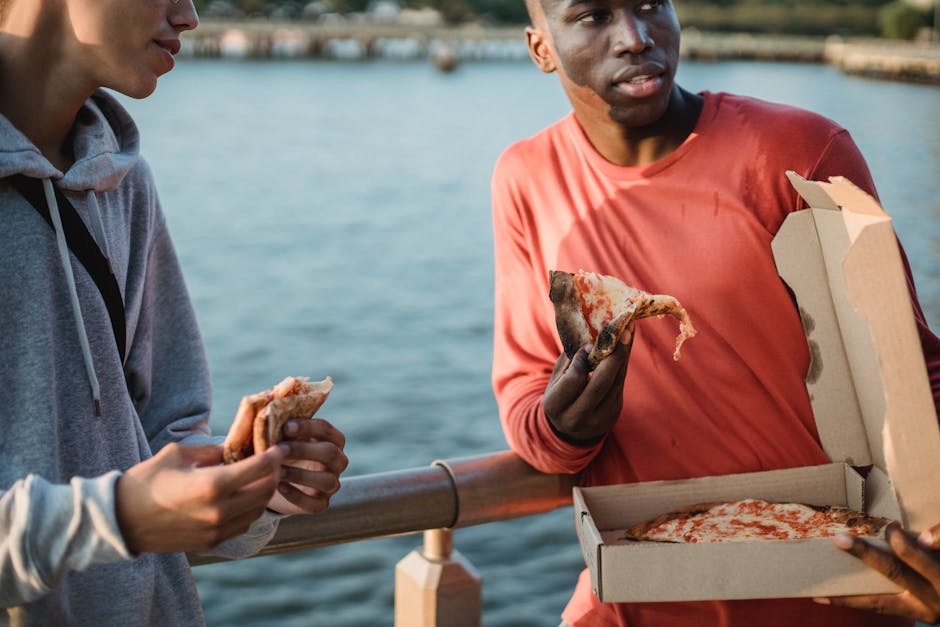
525	345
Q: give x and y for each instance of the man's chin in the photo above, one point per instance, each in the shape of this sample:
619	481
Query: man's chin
639	114
637	117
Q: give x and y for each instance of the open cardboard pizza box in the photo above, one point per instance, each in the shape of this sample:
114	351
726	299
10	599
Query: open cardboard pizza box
873	406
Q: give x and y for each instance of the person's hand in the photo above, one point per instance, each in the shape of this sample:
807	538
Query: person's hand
914	566
314	460
584	405
182	499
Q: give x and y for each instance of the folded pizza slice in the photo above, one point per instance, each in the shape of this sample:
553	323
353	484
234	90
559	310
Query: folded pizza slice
592	308
261	416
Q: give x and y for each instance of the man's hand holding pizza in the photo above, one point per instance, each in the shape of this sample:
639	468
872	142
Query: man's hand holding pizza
595	315
283	417
313	462
582	405
914	565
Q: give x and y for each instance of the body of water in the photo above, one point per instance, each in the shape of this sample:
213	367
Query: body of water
334	219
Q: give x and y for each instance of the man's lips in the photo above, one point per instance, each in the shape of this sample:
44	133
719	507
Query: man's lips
171	45
640	81
638	74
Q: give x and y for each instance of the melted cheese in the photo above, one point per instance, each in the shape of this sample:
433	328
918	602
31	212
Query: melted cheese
603	298
749	520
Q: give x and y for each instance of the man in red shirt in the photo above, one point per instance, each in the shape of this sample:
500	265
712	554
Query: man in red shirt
674	193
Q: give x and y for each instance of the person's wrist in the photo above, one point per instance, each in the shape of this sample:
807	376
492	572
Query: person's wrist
122	514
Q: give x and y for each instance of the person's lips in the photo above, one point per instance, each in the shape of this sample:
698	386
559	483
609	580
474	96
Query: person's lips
168	48
640	80
170	45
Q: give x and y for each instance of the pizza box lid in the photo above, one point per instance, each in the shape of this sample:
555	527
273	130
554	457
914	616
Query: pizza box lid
868	381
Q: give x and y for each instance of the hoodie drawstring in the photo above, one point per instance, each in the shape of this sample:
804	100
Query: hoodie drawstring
98	225
70	278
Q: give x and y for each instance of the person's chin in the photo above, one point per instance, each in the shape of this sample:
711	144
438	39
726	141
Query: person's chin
639	115
140	88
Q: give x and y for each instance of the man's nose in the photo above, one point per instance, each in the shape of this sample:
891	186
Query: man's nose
630	35
183	15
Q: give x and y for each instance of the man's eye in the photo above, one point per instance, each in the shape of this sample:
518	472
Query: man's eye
594	17
650	6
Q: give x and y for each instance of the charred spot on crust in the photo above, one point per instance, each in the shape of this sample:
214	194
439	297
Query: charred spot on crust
572	329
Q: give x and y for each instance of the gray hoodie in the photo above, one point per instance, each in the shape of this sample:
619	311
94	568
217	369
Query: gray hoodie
62	557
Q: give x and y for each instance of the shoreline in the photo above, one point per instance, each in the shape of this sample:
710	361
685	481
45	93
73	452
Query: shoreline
272	39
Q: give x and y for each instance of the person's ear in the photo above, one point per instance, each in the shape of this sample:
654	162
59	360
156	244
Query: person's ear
540	49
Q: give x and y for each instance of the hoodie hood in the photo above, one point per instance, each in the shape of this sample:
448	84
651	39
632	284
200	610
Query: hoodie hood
106	146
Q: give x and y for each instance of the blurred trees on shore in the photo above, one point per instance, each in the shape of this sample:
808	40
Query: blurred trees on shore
901	19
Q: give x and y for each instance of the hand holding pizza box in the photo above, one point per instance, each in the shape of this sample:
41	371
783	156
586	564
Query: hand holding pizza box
872	404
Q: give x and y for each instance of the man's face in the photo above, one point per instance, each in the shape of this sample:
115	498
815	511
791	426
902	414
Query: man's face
126	45
614	57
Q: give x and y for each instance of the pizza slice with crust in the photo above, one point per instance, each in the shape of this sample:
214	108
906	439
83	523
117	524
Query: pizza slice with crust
261	416
592	308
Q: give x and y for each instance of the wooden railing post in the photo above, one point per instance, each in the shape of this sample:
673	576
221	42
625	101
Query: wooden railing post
437	586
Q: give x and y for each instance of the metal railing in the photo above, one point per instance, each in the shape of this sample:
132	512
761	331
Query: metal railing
447	494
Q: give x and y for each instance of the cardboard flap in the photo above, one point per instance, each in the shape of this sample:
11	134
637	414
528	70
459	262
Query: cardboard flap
872	306
804	265
589	537
879	496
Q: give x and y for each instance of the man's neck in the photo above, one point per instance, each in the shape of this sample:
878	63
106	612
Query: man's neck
639	146
38	94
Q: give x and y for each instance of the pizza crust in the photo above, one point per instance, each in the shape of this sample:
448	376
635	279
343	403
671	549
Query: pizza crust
575	331
572	328
260	417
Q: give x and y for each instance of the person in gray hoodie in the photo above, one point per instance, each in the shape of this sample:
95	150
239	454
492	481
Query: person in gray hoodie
108	472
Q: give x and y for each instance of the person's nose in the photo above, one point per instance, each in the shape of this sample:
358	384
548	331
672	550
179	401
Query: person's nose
630	35
183	15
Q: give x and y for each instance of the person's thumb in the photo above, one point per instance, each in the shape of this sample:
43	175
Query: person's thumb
568	387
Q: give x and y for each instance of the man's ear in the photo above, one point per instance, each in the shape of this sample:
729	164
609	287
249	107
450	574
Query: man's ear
540	49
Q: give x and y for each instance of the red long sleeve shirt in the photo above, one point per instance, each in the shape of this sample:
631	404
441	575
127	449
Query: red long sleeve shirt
697	225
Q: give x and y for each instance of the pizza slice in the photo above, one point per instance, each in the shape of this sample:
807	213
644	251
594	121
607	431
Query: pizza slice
593	308
754	519
261	416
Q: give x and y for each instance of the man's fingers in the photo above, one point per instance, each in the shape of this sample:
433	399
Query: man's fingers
234	477
291	500
319	480
314	429
250	498
877	558
919	559
887	563
611	371
326	453
561	364
566	389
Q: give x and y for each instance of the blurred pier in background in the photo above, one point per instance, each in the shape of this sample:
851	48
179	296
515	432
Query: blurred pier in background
269	39
447	46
